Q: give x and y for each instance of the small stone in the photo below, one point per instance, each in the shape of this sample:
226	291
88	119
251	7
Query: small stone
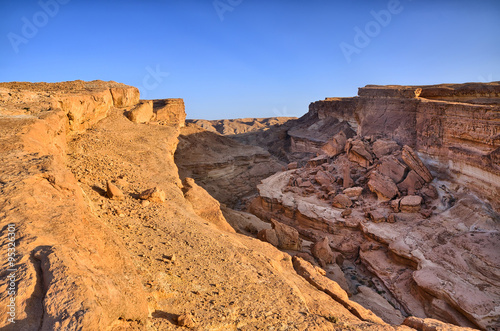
410	204
346	213
113	192
145	203
353	192
341	201
186	320
292	165
376	217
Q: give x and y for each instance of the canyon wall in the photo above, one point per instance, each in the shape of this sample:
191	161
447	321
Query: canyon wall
455	126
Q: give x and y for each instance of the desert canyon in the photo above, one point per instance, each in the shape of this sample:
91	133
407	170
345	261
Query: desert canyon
374	212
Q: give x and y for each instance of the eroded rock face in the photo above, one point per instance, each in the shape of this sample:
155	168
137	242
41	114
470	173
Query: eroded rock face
451	124
84	265
400	238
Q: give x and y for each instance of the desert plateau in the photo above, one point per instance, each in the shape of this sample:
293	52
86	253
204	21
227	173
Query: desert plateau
374	212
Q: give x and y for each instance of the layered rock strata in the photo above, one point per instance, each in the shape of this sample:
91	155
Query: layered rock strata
454	126
418	239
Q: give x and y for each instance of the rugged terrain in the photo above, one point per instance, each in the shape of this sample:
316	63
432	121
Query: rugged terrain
109	236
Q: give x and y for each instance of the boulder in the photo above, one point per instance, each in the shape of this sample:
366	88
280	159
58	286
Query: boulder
382	147
318	160
170	111
113	192
335	145
341	201
413	161
142	112
383	186
288	237
353	192
392	168
292	166
154	194
322	251
376	216
323	179
410	204
268	235
358	153
346	176
412	183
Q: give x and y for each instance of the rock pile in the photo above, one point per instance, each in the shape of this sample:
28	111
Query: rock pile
366	166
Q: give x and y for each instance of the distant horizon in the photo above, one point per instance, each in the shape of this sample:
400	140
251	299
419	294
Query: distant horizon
251	59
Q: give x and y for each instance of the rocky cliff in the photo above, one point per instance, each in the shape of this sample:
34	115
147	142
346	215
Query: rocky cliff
107	236
455	126
402	182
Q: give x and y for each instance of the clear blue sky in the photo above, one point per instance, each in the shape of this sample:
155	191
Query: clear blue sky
263	58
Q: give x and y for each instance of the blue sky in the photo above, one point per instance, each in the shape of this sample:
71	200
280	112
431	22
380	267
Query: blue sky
250	58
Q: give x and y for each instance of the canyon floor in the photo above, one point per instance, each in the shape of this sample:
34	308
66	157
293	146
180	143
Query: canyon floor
128	217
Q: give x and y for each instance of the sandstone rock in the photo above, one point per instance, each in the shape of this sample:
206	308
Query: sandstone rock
142	112
346	176
369	299
318	160
341	201
186	320
323	178
376	216
429	192
307	257
429	324
358	153
335	145
288	237
292	166
412	183
395	205
382	147
204	204
411	204
346	213
305	183
113	192
413	161
383	186
268	235
335	273
154	194
306	270
124	96
322	251
170	111
353	192
392	168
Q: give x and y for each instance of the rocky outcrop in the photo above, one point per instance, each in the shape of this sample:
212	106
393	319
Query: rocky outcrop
71	271
170	111
402	242
84	103
204	205
452	124
142	112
